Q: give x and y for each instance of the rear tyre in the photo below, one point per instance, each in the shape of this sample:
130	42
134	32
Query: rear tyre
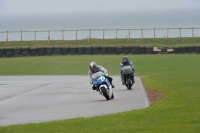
105	93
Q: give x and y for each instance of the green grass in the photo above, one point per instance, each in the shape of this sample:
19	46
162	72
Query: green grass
176	76
158	42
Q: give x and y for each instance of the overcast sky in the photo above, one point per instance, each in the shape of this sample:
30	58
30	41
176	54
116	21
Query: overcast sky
15	7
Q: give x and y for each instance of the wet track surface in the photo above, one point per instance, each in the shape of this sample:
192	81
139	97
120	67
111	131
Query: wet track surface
33	99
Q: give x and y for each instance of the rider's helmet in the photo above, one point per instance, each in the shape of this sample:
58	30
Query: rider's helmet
93	66
125	59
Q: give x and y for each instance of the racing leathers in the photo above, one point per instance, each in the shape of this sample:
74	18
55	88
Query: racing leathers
102	69
128	63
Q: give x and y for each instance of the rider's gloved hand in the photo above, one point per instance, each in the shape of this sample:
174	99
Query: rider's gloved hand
93	87
106	74
133	71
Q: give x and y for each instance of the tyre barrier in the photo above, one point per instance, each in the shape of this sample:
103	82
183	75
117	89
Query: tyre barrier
65	51
142	50
135	50
96	50
119	50
104	50
88	50
184	50
127	49
170	50
111	50
57	51
163	50
156	50
1	52
149	50
81	50
197	49
25	51
8	52
73	50
16	52
177	50
41	51
49	51
191	49
33	51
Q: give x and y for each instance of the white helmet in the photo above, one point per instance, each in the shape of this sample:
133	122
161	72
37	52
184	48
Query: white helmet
93	66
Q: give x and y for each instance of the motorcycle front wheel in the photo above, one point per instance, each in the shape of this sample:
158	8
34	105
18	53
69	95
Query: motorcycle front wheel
129	86
104	91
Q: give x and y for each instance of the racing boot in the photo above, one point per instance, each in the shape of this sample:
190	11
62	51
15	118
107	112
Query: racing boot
93	87
122	82
112	85
110	79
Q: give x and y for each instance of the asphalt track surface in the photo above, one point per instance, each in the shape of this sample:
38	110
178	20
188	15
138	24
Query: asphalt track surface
34	99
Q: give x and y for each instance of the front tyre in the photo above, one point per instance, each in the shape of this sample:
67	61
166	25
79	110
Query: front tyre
104	91
129	83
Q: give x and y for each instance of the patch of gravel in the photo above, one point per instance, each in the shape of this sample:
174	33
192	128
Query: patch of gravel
154	95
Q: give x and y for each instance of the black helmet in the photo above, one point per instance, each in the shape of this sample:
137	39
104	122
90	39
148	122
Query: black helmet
125	59
93	66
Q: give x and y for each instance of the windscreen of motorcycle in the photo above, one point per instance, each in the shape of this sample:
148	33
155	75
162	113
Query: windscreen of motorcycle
96	75
127	70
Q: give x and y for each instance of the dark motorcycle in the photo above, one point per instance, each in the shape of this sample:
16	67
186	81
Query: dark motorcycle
128	75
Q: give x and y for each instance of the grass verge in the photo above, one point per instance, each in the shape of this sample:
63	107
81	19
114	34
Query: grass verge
157	42
176	76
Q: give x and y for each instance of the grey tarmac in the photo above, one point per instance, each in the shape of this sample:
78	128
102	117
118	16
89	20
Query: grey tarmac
34	99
